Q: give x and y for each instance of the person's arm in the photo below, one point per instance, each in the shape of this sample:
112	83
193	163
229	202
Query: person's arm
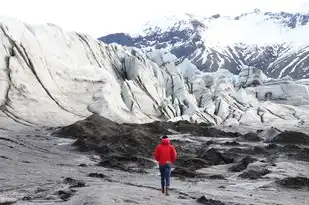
173	154
156	154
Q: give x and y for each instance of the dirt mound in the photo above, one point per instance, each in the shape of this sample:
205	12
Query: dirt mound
291	137
130	147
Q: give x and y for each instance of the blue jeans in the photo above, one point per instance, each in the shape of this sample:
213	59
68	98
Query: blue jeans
165	171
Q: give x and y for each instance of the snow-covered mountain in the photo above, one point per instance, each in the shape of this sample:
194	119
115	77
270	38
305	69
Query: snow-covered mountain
51	77
276	43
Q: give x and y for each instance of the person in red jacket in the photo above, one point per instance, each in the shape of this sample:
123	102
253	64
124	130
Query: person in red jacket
165	154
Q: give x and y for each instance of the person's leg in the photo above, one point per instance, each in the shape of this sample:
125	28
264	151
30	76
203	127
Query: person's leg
162	173
168	177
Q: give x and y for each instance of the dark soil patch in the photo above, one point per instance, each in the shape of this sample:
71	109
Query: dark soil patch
291	137
251	137
242	165
294	182
191	162
214	157
254	174
185	173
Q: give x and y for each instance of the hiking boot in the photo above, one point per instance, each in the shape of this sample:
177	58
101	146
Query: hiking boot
167	192
162	190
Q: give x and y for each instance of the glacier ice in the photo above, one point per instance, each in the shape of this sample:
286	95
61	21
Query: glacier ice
51	77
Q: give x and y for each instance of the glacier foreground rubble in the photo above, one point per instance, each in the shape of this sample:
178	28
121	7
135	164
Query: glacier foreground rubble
51	77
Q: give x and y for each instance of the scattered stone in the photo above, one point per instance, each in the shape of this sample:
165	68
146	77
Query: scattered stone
242	165
65	195
291	137
294	182
83	165
254	174
74	183
27	198
251	137
97	175
204	200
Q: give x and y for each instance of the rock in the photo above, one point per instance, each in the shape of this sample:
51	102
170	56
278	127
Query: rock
251	137
97	175
294	182
242	165
204	200
291	137
74	183
254	174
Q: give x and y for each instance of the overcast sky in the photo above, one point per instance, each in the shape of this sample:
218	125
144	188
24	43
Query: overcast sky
100	17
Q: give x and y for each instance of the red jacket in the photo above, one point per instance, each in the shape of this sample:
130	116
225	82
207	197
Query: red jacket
165	152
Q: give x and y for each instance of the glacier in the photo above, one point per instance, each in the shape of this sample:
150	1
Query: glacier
51	77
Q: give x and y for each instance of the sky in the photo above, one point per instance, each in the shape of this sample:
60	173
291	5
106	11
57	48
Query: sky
101	17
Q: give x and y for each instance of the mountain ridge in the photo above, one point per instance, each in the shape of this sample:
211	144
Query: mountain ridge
253	39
